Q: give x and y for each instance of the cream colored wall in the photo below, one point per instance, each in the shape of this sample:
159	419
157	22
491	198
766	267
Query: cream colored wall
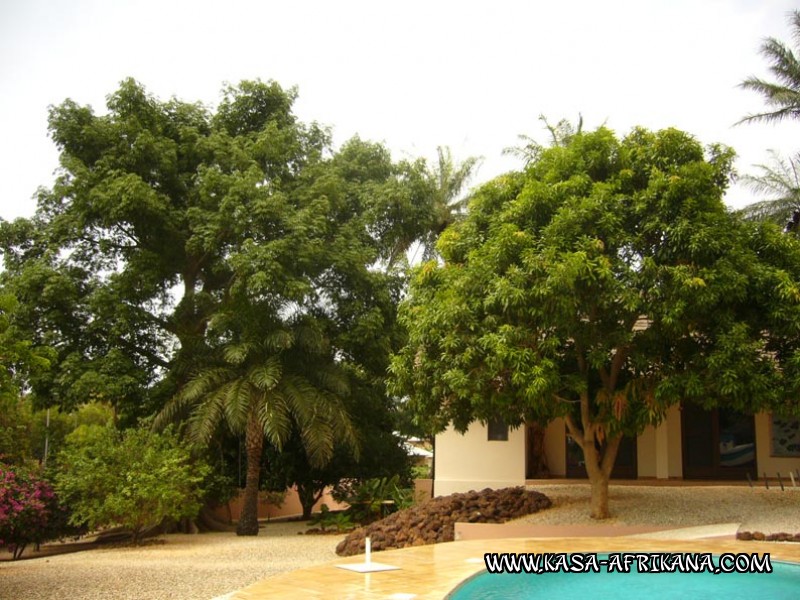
471	462
674	442
658	449
764	459
646	459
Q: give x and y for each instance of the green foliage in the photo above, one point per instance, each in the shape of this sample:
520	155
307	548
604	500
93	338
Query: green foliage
339	521
25	432
373	499
15	427
420	472
269	388
20	359
242	205
134	479
778	179
381	452
604	284
276	243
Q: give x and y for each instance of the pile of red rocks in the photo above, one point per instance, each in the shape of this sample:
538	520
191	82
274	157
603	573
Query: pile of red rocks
432	522
768	537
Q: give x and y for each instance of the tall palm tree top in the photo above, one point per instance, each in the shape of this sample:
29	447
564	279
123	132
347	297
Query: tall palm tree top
779	179
782	95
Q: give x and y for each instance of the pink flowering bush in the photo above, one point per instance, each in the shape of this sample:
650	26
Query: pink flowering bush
29	509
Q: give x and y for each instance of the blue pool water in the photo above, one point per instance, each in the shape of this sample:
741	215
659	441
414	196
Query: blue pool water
782	583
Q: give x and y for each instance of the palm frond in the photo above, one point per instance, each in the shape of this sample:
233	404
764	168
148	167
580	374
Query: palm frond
275	419
780	179
236	354
784	93
239	397
338	416
206	381
332	379
318	441
266	375
171	411
277	340
300	396
207	416
773	211
197	387
310	338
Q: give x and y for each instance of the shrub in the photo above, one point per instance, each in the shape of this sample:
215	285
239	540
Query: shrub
29	510
134	479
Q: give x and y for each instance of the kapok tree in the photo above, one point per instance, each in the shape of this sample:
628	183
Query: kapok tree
603	284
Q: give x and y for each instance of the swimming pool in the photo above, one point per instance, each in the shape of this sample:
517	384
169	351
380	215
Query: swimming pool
782	583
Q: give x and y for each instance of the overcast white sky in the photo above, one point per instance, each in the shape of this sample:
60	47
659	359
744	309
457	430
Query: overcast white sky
470	75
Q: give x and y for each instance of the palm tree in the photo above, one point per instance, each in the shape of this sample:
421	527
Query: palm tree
783	95
446	182
263	389
560	135
780	179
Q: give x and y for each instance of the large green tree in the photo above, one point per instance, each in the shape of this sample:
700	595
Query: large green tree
177	235
603	284
162	210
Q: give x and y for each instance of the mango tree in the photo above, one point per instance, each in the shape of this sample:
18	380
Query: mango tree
603	284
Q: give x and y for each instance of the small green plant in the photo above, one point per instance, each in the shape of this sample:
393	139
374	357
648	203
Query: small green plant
328	520
373	499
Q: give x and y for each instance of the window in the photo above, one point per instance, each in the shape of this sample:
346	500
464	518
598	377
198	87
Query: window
498	430
785	437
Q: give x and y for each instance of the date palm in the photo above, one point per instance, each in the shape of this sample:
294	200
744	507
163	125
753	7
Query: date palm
782	94
262	390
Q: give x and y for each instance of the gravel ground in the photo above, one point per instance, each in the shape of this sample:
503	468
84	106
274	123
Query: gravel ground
757	509
185	567
189	567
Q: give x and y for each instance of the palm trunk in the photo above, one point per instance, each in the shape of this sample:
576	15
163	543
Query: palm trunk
254	443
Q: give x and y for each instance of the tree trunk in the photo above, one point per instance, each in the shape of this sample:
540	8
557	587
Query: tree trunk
536	467
599	464
254	443
309	495
599	502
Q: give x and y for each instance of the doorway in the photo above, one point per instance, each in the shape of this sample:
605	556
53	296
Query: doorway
717	444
